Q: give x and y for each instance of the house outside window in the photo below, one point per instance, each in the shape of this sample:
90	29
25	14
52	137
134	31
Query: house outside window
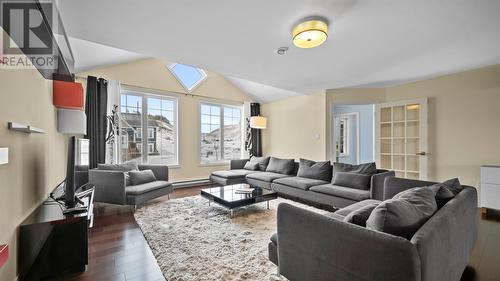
221	132
152	114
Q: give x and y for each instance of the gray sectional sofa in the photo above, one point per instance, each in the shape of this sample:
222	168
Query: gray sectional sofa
316	188
311	246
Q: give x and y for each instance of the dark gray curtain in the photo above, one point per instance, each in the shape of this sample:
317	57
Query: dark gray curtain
255	138
95	108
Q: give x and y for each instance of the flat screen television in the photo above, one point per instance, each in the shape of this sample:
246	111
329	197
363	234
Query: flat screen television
69	185
77	170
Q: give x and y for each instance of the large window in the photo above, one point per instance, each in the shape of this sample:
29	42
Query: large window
148	128
219	145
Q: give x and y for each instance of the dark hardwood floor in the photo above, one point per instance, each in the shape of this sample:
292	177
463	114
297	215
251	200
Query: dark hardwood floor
118	251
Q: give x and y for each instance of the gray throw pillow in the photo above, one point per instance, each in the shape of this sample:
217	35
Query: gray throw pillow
365	168
315	170
446	191
252	166
262	161
361	215
352	180
281	166
405	213
140	177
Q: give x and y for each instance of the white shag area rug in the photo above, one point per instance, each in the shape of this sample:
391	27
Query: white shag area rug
194	241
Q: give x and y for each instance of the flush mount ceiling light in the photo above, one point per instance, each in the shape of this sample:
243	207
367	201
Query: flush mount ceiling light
310	33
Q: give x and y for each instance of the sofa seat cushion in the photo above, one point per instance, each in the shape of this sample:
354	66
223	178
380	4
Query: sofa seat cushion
146	187
266	176
342	191
232	174
342	213
299	182
274	238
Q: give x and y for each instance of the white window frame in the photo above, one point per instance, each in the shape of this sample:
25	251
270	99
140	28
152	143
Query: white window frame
145	94
195	85
151	132
221	105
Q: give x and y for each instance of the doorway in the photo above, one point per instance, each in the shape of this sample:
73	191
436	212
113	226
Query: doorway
353	133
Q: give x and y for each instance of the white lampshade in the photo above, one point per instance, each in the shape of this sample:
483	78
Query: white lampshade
258	122
4	155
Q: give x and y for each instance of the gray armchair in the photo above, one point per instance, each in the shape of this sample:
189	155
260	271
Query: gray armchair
110	186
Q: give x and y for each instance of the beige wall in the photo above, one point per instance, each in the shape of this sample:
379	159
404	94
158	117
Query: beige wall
37	162
153	74
296	127
463	121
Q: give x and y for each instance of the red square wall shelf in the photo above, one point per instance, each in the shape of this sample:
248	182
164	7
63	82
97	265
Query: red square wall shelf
68	95
4	254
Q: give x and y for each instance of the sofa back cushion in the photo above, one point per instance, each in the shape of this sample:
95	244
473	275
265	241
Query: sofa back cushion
262	161
124	167
365	168
140	177
352	180
314	170
252	166
281	166
404	214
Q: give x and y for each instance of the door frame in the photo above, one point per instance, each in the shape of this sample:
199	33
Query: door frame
334	147
422	130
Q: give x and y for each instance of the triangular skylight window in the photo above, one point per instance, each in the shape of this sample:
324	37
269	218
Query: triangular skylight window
189	77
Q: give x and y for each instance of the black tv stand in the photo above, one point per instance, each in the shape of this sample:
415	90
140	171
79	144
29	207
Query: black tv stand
52	243
75	210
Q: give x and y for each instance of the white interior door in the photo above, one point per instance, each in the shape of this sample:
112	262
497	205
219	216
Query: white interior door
401	138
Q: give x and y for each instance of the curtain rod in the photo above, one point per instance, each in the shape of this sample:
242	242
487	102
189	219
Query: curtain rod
170	91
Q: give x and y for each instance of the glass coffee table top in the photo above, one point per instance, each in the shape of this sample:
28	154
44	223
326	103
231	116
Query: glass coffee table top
229	196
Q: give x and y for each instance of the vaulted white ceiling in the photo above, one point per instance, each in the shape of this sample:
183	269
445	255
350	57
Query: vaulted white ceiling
90	55
371	42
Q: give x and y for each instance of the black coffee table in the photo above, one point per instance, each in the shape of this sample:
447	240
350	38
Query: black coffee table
227	196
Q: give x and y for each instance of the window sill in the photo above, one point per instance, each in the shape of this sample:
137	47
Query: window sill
225	163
